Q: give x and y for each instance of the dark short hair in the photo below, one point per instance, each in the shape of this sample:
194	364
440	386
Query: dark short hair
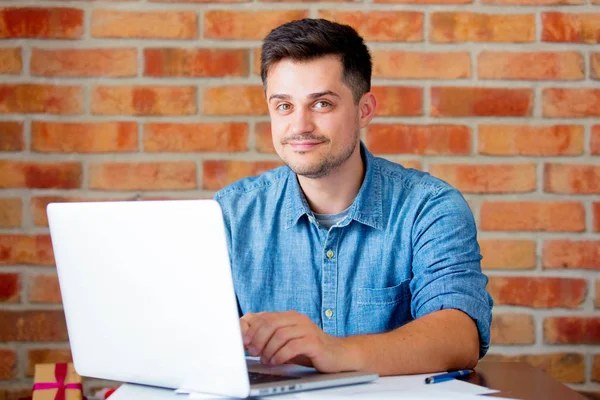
308	39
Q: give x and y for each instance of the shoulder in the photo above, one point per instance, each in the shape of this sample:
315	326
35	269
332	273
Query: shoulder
411	180
253	186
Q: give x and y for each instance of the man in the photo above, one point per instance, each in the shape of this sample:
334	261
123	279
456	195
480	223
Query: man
342	260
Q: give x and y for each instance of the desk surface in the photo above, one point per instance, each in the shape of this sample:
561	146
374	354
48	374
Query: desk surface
520	380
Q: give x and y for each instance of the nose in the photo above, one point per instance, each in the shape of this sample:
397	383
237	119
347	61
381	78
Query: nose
302	122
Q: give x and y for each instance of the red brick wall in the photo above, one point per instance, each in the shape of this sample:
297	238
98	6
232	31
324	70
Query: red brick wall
124	99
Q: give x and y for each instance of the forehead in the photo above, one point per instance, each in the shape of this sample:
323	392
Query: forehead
298	79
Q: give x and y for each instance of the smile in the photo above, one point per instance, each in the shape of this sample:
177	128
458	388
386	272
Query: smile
304	145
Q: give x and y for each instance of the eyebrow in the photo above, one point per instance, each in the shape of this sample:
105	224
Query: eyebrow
310	96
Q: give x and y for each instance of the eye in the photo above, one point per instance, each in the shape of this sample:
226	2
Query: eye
322	104
284	107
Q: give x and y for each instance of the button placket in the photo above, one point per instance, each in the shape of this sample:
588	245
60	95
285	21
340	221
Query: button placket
329	282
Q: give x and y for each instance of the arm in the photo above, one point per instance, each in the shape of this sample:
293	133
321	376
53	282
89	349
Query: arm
450	306
440	341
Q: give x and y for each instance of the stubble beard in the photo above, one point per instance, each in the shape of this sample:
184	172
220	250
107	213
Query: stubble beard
326	164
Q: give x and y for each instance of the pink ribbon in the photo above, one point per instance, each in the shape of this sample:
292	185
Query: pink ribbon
60	373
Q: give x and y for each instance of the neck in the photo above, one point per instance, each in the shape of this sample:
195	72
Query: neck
337	190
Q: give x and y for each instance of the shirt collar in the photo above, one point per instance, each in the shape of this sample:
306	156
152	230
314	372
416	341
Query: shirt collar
367	207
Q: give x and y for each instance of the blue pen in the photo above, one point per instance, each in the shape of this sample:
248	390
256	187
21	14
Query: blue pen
448	376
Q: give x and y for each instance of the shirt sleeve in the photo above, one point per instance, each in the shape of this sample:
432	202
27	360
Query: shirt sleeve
447	262
227	222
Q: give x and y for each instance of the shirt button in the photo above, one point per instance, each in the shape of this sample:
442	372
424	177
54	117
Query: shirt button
329	313
329	253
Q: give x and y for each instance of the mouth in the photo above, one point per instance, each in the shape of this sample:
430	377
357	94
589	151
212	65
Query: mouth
304	145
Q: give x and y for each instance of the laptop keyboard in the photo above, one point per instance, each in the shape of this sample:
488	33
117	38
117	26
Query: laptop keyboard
258	377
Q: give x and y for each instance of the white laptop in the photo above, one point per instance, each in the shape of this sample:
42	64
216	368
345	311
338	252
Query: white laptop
149	299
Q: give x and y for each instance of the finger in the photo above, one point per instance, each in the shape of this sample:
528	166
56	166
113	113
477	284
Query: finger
248	319
263	325
279	338
261	332
292	349
244	326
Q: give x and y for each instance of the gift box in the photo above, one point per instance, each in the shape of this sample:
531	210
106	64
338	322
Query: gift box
56	382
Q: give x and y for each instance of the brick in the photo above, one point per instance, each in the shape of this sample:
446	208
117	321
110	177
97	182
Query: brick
571	178
246	25
144	100
574	102
234	100
263	138
175	175
173	62
528	140
419	139
145	24
37	98
508	254
22	174
572	330
381	26
44	289
24	249
41	23
595	65
71	137
426	1
571	27
596	369
454	27
398	101
488	178
551	216
11	136
218	174
193	1
537	292
596	210
45	356
595	140
421	65
512	329
414	164
33	326
597	291
10	61
582	254
38	205
14	393
10	288
256	62
10	212
34	175
565	65
533	2
8	364
564	367
480	102
204	137
113	63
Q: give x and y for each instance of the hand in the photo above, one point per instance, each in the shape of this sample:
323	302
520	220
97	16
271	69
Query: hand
291	337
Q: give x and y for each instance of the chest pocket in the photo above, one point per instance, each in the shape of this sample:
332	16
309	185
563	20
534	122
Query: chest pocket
383	309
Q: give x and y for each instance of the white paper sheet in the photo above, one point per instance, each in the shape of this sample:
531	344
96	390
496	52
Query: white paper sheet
386	387
437	391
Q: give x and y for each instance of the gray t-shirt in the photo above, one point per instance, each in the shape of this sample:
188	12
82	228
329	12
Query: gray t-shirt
329	220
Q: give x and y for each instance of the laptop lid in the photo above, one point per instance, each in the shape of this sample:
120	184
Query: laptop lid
148	294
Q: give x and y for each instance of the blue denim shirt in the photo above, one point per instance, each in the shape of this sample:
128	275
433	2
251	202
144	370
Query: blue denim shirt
407	247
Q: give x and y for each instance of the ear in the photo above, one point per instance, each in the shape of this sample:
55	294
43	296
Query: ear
366	108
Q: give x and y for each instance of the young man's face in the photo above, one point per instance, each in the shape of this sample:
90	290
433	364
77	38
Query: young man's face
314	121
